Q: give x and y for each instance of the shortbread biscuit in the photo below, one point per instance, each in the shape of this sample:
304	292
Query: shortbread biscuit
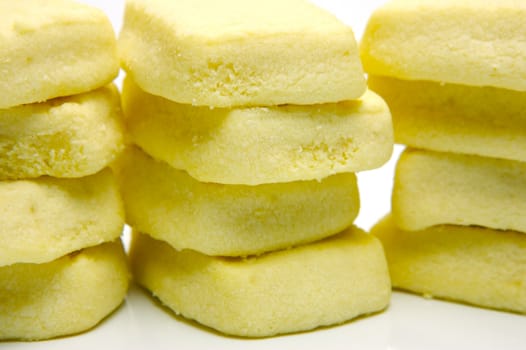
232	220
65	137
469	42
45	218
474	265
293	290
237	53
484	121
62	297
433	188
53	48
258	145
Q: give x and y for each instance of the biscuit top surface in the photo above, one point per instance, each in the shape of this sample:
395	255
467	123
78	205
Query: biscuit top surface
456	3
446	10
22	16
470	42
239	18
481	5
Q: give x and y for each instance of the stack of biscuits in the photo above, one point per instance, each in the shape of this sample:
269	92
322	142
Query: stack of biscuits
452	73
249	120
62	265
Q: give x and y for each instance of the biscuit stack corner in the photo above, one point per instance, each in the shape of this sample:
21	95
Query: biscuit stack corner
453	77
249	123
62	265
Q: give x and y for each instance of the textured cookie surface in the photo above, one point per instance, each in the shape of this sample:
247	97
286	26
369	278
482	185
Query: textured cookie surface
470	42
232	220
484	121
235	52
45	218
433	188
53	48
65	296
474	265
65	137
322	283
259	144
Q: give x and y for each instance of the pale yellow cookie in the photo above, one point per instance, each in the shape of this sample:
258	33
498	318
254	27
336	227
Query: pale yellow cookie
62	297
470	42
45	218
256	145
323	283
484	121
65	137
232	220
53	48
433	188
474	265
235	52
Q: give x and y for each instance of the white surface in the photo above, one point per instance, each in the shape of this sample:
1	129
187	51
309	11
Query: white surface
411	322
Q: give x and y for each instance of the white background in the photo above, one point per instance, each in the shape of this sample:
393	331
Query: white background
411	322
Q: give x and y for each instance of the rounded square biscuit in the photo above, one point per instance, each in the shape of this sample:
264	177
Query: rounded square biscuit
53	48
45	218
469	42
323	283
474	265
232	220
434	188
484	121
257	145
238	53
66	137
62	297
